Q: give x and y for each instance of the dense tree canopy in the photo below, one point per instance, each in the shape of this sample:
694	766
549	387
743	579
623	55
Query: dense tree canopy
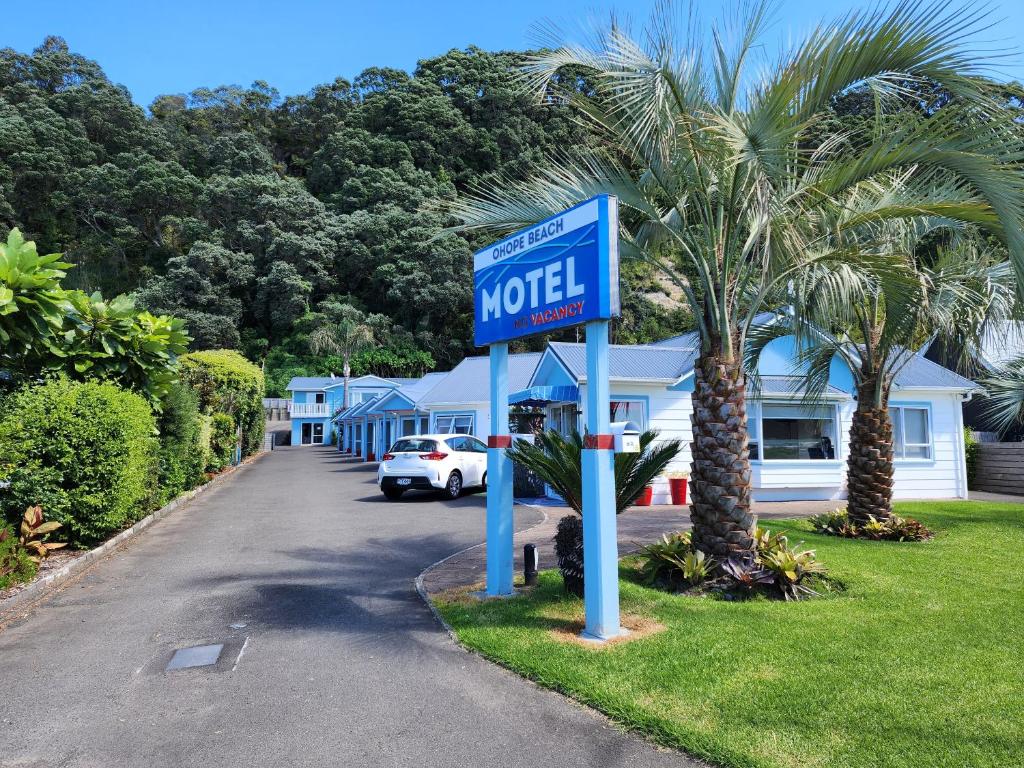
241	211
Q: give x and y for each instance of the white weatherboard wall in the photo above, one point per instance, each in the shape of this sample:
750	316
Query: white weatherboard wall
941	477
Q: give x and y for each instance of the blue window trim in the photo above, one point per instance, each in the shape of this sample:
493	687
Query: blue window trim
927	406
839	445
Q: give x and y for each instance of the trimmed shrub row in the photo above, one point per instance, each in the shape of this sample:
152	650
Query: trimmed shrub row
97	458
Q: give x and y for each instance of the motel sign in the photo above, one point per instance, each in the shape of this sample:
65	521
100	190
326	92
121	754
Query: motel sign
561	272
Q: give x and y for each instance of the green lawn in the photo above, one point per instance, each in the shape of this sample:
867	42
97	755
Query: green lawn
919	662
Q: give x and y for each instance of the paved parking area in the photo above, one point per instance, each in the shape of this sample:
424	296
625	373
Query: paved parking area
305	575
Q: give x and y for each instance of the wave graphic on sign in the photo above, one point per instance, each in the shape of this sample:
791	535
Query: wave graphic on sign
495	273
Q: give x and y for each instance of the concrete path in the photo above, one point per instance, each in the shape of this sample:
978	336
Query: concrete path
338	663
637	527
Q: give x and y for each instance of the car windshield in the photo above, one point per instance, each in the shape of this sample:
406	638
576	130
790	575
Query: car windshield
414	445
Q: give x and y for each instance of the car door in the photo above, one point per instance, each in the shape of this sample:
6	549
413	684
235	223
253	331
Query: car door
477	450
458	458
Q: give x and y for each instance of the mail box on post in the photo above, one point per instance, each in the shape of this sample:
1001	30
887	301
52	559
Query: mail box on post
627	436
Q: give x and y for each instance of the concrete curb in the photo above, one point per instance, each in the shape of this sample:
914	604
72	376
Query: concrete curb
425	596
19	604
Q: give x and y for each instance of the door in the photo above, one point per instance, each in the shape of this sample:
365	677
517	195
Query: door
307	433
318	433
369	439
477	449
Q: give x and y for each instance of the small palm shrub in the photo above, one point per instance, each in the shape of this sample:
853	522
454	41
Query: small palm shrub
557	460
569	553
893	528
673	561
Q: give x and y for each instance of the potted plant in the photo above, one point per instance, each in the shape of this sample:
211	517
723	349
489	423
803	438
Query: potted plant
645	497
677	482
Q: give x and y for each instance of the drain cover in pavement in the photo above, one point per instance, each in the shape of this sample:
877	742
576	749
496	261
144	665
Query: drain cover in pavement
198	656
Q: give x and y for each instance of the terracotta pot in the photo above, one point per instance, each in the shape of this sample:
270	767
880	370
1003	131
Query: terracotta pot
371	457
644	499
677	486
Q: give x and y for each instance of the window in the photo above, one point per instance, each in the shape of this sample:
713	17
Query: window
792	432
911	432
408	427
629	410
414	446
320	398
475	446
455	424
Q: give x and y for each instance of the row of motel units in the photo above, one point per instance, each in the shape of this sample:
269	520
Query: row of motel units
797	451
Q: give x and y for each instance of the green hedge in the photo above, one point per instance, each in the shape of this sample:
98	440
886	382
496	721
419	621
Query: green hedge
183	451
86	452
228	383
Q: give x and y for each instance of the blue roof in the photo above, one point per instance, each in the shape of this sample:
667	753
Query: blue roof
691	339
470	380
641	363
537	396
311	382
791	385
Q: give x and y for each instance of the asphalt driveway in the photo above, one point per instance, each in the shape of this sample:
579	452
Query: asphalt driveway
333	659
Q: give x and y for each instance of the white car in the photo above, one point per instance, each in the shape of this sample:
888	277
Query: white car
446	463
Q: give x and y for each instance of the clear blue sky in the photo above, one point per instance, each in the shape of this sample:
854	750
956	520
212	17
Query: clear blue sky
172	46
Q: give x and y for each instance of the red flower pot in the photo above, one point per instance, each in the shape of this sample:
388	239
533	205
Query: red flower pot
677	486
644	499
371	457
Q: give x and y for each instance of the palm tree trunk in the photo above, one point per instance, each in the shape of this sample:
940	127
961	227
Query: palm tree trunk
721	506
869	477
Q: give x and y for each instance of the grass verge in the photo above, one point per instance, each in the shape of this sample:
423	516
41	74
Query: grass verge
919	662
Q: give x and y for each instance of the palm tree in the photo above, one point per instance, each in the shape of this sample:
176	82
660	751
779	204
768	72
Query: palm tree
557	460
1004	389
873	320
716	185
346	336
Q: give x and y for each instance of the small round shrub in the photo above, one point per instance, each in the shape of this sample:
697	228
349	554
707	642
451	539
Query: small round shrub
84	451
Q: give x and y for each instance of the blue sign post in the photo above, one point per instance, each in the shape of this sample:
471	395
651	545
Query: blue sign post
561	272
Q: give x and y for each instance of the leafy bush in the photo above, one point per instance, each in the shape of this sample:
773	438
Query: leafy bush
672	560
222	441
32	303
227	383
84	451
183	454
16	566
971	455
893	528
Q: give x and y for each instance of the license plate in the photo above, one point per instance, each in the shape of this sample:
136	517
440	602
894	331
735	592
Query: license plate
404	481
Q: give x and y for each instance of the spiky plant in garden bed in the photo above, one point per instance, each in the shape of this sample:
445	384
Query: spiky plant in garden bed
891	528
557	460
719	188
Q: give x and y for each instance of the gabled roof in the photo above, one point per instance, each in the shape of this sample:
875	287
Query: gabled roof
470	380
922	373
640	363
420	387
792	385
691	339
311	383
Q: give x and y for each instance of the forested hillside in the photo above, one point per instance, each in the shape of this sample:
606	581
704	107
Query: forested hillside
257	218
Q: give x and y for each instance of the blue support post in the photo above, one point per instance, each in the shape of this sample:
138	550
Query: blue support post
499	480
600	545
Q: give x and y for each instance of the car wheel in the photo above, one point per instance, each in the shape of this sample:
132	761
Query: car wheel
393	493
483	482
453	488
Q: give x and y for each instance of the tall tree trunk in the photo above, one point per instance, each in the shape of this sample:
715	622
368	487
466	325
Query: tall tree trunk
346	371
721	506
869	477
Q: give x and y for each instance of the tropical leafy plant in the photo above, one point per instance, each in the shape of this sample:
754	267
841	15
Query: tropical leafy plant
32	302
746	572
719	188
1004	389
892	528
663	559
790	568
33	534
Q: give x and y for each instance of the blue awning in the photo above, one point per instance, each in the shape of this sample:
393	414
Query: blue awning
539	396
